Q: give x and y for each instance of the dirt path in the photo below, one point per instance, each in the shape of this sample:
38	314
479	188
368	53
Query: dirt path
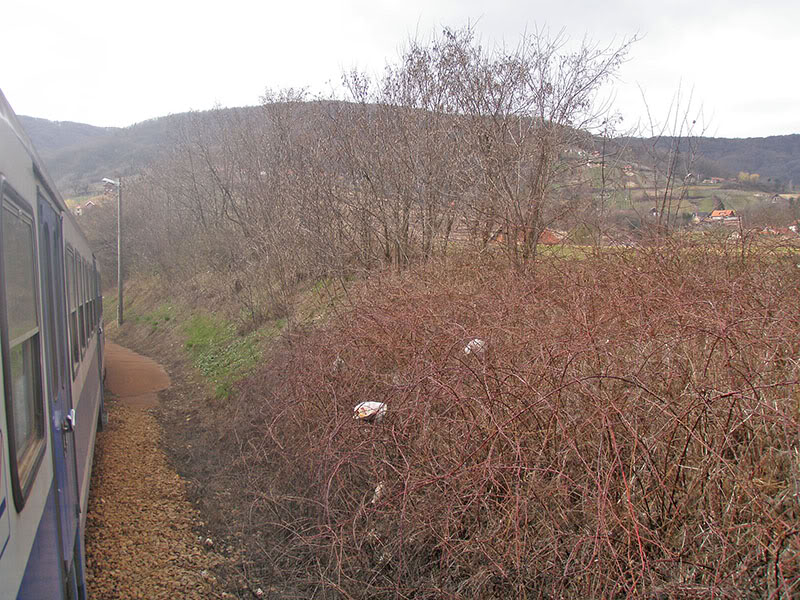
140	540
134	378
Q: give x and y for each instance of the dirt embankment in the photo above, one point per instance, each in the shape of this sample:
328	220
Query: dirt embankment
141	538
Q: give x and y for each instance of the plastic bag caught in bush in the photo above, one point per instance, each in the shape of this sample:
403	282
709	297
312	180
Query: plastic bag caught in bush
477	347
370	412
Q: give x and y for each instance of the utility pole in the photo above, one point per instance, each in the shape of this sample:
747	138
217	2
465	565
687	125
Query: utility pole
119	250
118	184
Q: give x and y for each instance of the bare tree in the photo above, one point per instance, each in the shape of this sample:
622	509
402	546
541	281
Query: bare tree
672	152
451	137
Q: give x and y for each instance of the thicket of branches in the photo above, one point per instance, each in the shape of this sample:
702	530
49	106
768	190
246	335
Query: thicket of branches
632	432
452	144
632	429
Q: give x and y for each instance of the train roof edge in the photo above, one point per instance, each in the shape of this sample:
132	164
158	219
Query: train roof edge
8	115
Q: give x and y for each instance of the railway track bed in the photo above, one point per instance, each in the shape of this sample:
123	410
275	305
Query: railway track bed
141	539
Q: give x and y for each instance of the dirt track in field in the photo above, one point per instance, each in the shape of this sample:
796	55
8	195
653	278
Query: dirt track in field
140	533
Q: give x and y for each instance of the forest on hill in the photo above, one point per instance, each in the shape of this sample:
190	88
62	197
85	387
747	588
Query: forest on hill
775	157
79	156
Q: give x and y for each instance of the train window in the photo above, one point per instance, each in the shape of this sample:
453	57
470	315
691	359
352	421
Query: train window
80	299
93	290
99	284
86	327
89	325
89	298
81	314
89	307
73	311
21	349
84	281
46	254
96	287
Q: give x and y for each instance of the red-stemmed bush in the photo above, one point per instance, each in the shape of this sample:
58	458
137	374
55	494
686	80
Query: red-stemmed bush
630	431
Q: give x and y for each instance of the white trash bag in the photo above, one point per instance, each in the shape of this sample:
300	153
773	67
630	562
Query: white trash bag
370	412
376	496
476	346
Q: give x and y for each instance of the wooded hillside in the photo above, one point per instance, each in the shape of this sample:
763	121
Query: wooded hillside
78	156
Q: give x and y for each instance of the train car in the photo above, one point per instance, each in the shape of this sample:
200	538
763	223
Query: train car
51	366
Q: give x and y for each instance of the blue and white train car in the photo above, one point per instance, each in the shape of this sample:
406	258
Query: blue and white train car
51	359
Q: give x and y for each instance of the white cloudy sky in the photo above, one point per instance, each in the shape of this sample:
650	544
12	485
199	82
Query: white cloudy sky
117	63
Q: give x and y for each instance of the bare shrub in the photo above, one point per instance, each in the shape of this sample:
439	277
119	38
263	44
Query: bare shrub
633	432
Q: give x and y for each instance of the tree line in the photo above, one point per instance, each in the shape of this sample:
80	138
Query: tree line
454	143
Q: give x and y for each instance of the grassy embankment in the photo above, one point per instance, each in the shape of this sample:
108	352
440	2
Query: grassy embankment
210	340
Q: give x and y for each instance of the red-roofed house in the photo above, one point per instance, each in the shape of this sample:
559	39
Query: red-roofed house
722	214
726	217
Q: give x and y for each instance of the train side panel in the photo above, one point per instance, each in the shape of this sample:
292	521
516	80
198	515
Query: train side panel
29	553
50	377
87	389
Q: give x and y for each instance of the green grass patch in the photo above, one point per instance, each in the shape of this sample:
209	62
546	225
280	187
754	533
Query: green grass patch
162	315
220	354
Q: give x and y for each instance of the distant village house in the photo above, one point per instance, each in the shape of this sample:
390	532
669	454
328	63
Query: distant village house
717	217
79	209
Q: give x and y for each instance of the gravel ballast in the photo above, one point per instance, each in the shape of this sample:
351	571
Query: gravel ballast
141	531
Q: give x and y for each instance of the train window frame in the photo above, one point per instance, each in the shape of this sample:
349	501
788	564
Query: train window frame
81	321
93	290
24	469
74	340
80	301
89	298
86	302
52	347
98	287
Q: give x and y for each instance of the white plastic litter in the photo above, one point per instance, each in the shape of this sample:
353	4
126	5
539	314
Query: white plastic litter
476	346
371	412
376	496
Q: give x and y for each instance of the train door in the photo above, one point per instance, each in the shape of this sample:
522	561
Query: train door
63	416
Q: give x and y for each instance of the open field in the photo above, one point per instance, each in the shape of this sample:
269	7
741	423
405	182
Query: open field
698	197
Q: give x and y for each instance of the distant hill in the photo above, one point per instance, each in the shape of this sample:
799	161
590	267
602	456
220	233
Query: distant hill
776	157
78	156
53	136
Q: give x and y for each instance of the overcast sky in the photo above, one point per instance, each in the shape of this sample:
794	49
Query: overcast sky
118	63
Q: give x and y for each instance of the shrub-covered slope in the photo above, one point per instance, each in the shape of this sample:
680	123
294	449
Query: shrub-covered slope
632	430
